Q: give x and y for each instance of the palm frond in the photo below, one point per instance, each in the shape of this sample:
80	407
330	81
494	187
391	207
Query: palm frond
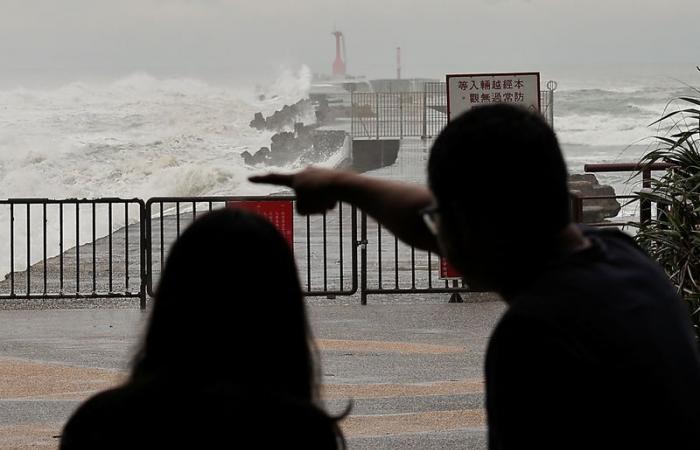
673	237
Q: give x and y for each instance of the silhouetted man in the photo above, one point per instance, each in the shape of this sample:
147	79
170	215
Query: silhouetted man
595	349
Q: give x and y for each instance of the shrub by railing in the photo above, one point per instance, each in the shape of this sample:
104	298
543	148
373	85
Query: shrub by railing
673	237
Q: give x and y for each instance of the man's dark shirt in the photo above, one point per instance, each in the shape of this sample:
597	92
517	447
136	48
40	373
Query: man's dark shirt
597	352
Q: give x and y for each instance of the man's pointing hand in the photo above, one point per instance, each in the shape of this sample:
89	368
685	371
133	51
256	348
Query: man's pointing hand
314	188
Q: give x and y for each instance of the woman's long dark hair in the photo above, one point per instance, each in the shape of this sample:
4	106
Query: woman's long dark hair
229	310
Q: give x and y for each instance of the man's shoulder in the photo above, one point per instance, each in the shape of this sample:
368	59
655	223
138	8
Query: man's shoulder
619	240
525	325
588	297
611	268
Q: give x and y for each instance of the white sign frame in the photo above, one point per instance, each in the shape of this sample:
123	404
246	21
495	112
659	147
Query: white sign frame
459	98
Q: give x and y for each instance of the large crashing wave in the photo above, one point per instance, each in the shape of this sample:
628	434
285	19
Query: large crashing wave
138	136
135	137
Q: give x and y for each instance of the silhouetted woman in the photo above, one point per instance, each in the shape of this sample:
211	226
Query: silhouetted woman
227	360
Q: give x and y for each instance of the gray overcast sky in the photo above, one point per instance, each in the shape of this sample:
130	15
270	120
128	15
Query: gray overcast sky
246	40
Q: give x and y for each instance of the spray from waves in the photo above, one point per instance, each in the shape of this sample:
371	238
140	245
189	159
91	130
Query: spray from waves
290	86
135	137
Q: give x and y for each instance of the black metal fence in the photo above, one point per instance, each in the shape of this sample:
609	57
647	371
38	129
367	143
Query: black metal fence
112	247
324	246
414	114
73	248
435	111
116	248
388	266
395	114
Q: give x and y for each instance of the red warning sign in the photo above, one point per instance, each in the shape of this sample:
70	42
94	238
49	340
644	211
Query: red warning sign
279	212
447	272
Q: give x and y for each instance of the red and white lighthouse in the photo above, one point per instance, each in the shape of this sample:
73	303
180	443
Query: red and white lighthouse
339	63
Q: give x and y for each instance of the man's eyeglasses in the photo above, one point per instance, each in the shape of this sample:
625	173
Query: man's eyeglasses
429	217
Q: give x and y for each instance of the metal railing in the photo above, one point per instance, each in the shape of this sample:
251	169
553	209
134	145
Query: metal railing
380	114
115	248
388	266
414	114
579	202
74	248
321	243
435	109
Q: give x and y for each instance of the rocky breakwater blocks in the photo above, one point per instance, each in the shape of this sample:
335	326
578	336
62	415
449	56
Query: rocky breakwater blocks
283	118
305	144
594	210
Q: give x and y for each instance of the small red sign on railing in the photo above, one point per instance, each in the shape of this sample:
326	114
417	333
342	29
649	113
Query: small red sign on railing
447	272
279	212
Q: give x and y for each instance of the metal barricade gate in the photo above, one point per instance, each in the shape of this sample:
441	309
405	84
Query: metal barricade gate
389	266
115	248
88	248
321	243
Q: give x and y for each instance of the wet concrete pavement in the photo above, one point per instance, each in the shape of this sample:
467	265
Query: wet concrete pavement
414	371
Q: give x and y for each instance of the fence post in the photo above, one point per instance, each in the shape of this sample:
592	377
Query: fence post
425	113
352	114
145	246
363	259
644	204
400	115
377	106
576	207
551	109
551	86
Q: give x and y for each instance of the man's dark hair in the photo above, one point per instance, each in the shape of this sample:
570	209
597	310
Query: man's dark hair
502	167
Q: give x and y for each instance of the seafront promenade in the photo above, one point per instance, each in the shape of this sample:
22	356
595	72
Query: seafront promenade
412	369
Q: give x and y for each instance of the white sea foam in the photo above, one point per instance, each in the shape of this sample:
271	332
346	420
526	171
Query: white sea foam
602	129
606	106
136	137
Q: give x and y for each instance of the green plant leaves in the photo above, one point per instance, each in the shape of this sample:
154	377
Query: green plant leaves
673	237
